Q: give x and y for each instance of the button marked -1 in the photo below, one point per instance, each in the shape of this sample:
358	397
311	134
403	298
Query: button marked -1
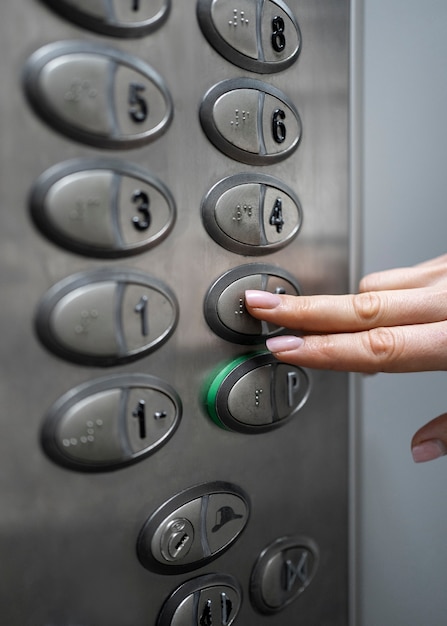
110	422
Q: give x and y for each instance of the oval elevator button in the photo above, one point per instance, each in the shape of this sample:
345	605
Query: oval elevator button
282	572
261	37
250	121
106	317
135	18
224	304
252	213
97	95
209	599
102	207
111	422
193	528
256	393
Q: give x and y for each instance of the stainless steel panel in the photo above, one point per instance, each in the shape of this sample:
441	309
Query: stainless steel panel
67	538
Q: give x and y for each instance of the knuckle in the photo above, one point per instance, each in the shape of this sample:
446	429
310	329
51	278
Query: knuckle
384	345
367	307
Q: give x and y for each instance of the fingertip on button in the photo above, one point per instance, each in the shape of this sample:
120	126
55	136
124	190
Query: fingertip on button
284	343
262	299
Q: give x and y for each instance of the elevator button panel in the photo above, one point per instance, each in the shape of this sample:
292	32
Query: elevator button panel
111	422
135	18
224	305
283	571
98	95
193	528
252	214
206	600
105	317
255	393
261	37
251	121
102	207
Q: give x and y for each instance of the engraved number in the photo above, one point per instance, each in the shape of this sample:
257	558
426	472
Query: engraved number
141	310
142	200
140	413
135	5
208	616
138	110
276	218
278	37
278	126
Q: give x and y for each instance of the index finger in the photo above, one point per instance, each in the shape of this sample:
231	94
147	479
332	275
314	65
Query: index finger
348	313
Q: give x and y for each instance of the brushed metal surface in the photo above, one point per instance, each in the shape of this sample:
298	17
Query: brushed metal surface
68	539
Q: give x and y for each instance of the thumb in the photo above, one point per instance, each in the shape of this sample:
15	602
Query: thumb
430	441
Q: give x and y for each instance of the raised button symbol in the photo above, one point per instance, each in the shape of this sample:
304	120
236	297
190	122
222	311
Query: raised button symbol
225	515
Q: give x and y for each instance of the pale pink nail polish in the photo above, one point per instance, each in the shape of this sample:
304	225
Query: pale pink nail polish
428	450
262	299
284	343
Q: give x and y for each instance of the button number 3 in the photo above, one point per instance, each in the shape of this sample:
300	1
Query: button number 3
142	199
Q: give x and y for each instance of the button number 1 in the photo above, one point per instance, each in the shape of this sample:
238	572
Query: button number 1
141	310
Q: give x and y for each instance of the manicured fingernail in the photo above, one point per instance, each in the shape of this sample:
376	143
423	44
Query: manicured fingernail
428	450
262	299
284	343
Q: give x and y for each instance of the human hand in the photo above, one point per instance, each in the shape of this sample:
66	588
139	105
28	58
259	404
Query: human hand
396	323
